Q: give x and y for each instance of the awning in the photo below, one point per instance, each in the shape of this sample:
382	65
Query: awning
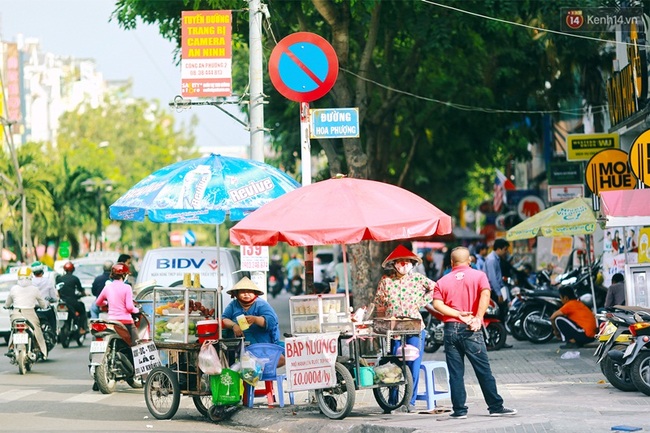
626	207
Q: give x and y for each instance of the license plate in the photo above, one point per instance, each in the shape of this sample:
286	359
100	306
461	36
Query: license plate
629	350
98	346
21	338
62	315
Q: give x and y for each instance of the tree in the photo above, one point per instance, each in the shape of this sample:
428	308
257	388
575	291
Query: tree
427	81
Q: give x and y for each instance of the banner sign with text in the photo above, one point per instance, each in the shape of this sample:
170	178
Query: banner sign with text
310	361
145	358
206	53
254	258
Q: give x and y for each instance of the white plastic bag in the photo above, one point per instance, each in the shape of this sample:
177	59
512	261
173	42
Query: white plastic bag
209	360
252	368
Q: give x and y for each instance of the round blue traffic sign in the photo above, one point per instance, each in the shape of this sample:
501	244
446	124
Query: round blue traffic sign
303	67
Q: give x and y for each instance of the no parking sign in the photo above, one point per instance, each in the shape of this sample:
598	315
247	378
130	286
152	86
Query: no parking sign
303	67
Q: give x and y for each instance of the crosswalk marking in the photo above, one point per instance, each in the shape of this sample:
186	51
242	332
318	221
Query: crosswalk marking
87	397
17	394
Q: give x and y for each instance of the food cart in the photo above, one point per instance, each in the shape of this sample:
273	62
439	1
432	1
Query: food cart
178	316
335	356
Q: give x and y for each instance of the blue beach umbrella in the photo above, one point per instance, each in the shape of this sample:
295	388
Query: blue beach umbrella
203	191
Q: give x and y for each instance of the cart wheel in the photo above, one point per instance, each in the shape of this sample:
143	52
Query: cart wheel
337	402
162	393
390	398
203	404
221	413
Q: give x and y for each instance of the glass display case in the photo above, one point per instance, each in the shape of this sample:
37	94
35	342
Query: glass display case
176	310
312	314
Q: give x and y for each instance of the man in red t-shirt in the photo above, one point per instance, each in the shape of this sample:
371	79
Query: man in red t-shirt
462	296
574	322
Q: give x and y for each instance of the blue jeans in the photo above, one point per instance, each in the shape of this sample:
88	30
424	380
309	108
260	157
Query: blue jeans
414	366
460	342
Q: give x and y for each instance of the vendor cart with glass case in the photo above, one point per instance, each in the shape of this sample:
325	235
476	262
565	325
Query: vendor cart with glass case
360	344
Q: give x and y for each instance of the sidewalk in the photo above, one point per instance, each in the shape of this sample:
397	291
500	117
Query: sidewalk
550	394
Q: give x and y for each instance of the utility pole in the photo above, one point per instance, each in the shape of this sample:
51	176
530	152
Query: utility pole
255	76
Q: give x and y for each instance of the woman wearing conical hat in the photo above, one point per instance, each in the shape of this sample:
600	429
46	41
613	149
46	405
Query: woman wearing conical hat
402	294
263	325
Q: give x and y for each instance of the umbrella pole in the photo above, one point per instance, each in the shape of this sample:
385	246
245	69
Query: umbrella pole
345	278
591	278
219	296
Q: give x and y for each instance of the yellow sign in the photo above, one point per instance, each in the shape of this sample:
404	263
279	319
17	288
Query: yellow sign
640	157
581	147
608	171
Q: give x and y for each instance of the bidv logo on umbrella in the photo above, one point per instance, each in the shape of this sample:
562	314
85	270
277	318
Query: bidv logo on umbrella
203	191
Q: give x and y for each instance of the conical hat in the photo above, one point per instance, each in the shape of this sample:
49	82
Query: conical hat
245	284
401	252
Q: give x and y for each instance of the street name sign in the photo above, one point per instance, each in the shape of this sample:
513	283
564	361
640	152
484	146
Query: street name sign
334	123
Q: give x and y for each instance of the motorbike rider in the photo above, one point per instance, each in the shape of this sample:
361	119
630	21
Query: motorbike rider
294	270
98	285
119	297
23	297
70	290
48	292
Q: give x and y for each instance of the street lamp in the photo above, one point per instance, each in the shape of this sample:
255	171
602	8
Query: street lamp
98	187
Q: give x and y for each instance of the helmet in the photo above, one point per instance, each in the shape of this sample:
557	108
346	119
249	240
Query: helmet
25	273
120	269
37	267
68	267
108	266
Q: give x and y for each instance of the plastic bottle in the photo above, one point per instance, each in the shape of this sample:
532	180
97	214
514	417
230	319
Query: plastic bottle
195	183
241	321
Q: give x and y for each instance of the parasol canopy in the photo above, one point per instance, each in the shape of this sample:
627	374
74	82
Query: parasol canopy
341	211
203	191
573	217
626	207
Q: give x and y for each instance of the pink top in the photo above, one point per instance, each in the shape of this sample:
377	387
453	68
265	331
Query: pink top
120	301
460	289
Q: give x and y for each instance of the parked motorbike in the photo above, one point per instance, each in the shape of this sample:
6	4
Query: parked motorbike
434	329
636	357
614	335
68	329
111	358
494	331
22	338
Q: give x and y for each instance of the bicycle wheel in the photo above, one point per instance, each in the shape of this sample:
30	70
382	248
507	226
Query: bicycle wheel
162	393
337	402
203	403
390	397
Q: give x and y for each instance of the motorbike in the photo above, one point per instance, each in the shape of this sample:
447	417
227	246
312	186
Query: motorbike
636	357
614	335
275	285
68	329
111	358
295	285
494	331
49	333
434	329
22	338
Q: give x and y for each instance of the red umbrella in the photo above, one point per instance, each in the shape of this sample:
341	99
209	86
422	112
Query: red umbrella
341	211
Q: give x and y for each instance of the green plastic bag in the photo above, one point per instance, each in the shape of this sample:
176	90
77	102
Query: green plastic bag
225	387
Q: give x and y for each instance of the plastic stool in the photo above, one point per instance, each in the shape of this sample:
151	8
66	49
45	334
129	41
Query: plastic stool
431	395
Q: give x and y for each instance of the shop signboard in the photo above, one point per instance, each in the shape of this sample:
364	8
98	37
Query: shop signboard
581	147
640	157
254	258
565	173
560	193
608	170
311	360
